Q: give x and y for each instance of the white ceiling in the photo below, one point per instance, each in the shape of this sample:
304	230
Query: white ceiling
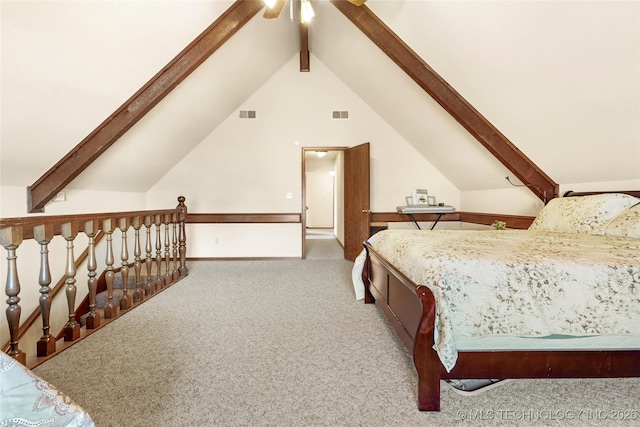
557	78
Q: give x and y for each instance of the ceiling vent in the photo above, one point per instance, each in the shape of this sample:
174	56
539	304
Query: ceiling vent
340	114
247	114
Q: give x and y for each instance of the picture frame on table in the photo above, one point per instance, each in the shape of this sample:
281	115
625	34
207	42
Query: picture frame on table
420	197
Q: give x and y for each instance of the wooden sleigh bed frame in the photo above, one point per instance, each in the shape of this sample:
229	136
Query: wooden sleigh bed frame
411	310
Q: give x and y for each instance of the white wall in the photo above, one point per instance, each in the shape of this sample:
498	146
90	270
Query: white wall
319	194
68	65
249	165
13	202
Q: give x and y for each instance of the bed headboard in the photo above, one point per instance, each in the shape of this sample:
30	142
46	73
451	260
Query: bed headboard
634	193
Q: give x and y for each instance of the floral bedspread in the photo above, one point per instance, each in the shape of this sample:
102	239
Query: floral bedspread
520	282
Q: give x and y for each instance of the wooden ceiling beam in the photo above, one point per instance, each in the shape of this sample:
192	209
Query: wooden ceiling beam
305	64
160	85
275	11
445	95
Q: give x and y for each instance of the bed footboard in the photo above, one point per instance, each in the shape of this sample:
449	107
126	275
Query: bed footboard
411	310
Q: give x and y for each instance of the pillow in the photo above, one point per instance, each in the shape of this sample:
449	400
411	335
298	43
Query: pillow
627	224
582	214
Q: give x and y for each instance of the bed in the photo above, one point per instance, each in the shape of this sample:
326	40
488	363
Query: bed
559	300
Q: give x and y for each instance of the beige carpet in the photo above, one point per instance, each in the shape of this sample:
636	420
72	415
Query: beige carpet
284	343
322	244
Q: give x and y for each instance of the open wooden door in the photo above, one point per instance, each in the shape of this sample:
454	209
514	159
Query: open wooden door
356	199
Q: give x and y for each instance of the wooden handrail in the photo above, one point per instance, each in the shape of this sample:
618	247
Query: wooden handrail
29	222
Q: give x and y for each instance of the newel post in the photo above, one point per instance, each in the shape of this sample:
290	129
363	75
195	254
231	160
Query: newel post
182	239
11	238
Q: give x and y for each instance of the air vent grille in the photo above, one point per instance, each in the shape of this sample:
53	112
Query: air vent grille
247	114
340	114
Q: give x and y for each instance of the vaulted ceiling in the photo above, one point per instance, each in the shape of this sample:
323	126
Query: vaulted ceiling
470	44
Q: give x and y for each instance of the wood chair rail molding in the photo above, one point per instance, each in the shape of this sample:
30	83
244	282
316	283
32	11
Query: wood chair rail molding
243	218
445	95
160	85
513	221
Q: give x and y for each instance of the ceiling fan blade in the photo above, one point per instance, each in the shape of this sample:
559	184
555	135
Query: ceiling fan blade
357	2
275	11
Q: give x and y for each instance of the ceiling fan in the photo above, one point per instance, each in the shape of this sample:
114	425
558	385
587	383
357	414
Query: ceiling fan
275	7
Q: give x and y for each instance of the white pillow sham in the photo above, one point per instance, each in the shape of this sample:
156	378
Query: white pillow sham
582	214
627	224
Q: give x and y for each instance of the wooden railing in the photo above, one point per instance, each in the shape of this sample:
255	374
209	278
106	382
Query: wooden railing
165	232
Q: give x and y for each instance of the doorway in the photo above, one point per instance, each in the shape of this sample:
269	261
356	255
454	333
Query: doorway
323	217
351	197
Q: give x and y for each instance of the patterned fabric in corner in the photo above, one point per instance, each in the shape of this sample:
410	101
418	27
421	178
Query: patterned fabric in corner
27	400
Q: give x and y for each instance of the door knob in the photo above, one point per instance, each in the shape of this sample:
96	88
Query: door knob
366	210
